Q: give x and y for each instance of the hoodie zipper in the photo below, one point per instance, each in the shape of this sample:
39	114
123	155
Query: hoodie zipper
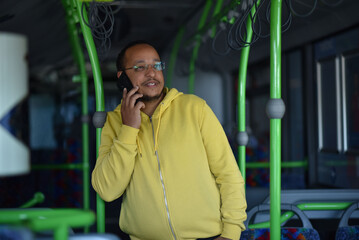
163	184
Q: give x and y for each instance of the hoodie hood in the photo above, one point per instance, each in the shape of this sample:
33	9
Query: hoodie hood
171	94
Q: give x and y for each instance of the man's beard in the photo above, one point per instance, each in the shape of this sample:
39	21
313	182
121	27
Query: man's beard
146	98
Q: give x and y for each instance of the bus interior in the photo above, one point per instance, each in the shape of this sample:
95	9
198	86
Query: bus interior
202	43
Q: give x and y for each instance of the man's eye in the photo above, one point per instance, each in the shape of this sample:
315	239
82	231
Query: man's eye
140	68
158	66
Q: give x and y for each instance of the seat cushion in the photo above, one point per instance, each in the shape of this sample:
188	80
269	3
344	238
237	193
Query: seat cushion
347	233
15	233
286	234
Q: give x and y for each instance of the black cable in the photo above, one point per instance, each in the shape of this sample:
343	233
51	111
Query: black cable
302	15
101	22
255	36
289	20
97	24
256	19
226	51
240	33
332	4
237	33
232	35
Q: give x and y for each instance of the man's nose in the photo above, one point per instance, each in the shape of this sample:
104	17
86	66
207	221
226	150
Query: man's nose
150	70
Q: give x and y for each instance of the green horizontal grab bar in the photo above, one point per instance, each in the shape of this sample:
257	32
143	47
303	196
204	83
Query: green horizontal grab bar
70	166
58	220
324	206
38	198
284	164
306	207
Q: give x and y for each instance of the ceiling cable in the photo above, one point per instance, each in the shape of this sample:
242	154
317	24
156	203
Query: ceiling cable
236	31
101	22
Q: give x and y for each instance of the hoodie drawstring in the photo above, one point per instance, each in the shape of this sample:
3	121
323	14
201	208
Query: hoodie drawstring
158	128
138	146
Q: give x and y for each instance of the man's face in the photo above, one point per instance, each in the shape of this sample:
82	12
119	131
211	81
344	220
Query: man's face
150	81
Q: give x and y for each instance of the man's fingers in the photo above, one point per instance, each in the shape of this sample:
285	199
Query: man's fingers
124	94
131	97
133	91
140	105
134	98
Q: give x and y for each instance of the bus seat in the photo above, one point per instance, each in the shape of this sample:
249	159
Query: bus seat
15	233
346	232
306	232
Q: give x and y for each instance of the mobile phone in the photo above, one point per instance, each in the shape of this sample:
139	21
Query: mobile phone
124	82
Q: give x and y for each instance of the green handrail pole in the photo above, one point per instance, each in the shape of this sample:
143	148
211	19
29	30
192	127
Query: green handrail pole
275	124
80	61
192	65
241	98
61	233
173	56
85	124
99	92
85	143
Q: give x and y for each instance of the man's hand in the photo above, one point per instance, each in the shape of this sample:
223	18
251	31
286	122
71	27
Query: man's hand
130	110
222	238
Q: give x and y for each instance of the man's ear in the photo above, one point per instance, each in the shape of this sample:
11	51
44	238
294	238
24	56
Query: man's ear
119	74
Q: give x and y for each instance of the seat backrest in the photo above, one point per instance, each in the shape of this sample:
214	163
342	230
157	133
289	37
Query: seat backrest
288	207
84	236
304	232
15	233
346	232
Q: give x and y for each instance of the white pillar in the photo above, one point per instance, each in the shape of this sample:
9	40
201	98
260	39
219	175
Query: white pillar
14	154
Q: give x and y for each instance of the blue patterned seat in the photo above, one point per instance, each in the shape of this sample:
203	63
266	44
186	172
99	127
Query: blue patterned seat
300	233
15	233
346	232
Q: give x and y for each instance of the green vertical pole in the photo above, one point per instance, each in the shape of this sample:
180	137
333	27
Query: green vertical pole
85	141
217	9
241	98
192	65
173	56
61	233
100	102
275	124
80	60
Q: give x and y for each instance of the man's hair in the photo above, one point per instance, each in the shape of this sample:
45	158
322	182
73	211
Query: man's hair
121	56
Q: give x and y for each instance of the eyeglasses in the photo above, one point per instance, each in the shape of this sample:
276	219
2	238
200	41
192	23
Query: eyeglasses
157	66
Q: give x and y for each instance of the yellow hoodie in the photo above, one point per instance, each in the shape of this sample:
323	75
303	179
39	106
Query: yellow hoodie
177	172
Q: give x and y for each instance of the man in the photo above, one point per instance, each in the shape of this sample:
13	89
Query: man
168	155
